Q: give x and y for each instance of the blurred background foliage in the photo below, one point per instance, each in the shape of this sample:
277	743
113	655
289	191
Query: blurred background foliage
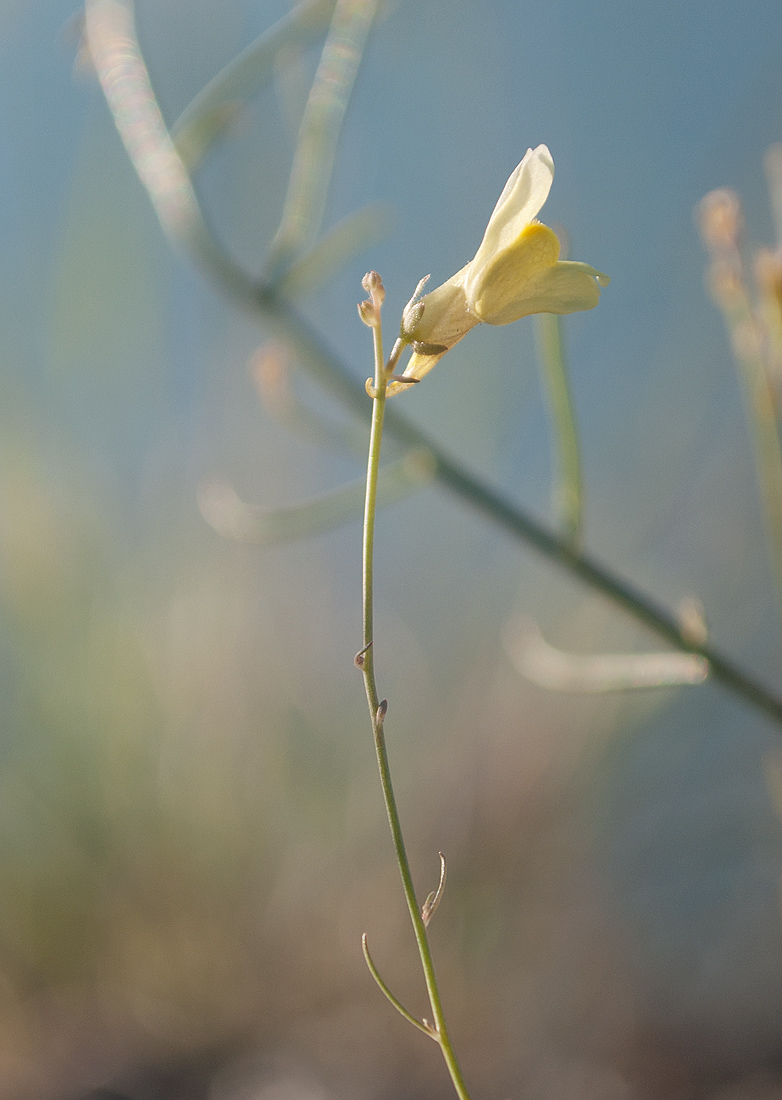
191	836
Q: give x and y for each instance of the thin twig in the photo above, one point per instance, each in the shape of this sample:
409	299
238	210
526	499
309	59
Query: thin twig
316	147
251	68
411	1019
234	518
557	670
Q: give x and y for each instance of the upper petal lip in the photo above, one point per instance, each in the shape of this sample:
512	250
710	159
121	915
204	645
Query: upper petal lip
519	204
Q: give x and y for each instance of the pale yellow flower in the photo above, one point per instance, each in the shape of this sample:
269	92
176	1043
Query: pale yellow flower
516	271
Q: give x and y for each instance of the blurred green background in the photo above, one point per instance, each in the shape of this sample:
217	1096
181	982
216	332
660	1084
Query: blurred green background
192	837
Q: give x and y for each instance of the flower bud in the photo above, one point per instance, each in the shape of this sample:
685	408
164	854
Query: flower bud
373	285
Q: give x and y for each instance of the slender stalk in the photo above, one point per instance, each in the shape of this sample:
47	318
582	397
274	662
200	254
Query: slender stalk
373	970
377	710
316	147
569	492
247	72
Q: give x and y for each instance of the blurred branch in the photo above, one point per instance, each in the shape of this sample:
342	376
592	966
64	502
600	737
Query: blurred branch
247	72
720	221
270	372
193	146
231	517
123	76
556	670
569	490
316	148
336	249
129	95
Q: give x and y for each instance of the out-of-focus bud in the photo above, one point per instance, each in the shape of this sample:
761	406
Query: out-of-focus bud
720	219
369	311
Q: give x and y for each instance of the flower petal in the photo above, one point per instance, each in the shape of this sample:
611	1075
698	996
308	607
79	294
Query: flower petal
507	276
566	287
446	319
520	201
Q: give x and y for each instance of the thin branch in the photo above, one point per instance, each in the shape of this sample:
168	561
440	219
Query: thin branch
113	45
354	234
271	371
557	670
387	993
233	518
251	68
316	148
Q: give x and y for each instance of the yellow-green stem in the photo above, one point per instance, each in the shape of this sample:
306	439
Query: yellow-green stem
569	486
373	465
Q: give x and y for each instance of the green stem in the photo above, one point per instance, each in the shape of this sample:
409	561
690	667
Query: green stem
377	714
316	147
569	492
245	74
